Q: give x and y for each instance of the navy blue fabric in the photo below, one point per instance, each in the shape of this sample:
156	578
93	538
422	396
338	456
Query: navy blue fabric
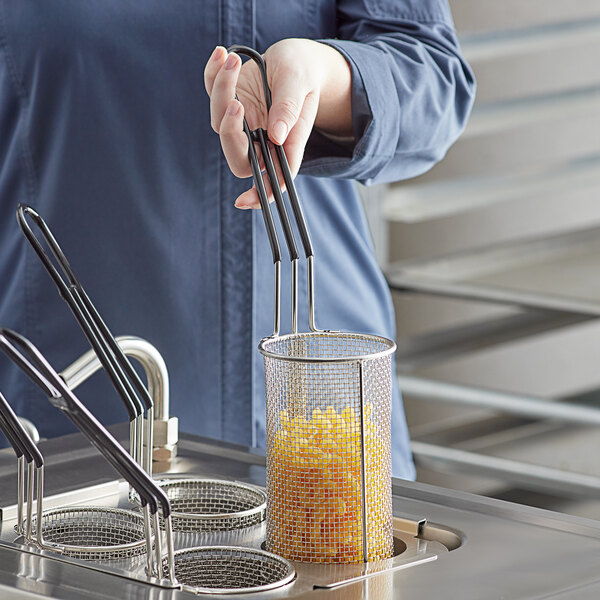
104	129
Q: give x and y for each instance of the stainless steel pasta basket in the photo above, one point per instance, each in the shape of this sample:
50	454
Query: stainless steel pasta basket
211	505
328	397
230	569
92	533
328	446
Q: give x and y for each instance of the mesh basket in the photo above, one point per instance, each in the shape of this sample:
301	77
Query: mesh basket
227	569
92	533
328	446
213	505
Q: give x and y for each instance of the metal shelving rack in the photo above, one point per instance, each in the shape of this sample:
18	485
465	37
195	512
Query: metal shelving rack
527	277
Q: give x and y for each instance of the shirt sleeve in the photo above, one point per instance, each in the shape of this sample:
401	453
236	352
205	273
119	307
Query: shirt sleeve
412	92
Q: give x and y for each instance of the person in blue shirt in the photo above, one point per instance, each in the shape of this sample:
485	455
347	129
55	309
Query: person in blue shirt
106	132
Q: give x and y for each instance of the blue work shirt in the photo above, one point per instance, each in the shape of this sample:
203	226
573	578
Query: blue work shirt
105	130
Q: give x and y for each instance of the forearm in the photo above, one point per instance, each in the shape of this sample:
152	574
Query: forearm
411	92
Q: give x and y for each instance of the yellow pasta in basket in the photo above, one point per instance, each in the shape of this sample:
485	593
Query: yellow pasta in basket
315	503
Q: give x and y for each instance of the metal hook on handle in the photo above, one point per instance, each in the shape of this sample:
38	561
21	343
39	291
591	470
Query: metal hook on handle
122	375
33	363
260	136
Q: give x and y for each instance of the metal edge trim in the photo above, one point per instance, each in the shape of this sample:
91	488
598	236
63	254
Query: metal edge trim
72	549
245	550
262	347
261	508
412	563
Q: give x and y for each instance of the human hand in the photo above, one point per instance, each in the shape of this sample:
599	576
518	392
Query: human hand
310	86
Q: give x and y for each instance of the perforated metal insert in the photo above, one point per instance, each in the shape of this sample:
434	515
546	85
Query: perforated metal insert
226	569
315	416
213	505
92	533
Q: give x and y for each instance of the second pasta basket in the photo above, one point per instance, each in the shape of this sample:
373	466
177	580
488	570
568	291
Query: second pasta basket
328	397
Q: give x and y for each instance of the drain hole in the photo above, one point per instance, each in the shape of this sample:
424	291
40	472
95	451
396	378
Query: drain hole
399	546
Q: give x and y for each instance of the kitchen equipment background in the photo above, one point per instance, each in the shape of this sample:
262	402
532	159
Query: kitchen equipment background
200	505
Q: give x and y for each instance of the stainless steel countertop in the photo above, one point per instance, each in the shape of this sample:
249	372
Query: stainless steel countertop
509	551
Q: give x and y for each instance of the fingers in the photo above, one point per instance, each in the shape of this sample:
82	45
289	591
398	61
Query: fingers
233	139
215	62
295	103
227	115
250	199
288	92
298	137
294	149
223	89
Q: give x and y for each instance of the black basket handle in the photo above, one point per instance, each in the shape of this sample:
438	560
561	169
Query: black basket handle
17	436
33	363
116	364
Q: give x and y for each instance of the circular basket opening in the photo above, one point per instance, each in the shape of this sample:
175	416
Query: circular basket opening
213	505
227	569
93	533
326	347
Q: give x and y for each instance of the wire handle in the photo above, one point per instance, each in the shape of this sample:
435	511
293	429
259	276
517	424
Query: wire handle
285	168
17	435
27	357
71	291
260	136
21	351
122	375
10	433
26	451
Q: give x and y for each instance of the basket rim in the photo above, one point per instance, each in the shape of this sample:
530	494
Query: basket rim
291	571
164	482
268	341
82	549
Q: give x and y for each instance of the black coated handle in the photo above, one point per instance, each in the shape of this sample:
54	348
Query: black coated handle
12	438
16	434
116	364
261	137
32	362
262	196
257	136
10	433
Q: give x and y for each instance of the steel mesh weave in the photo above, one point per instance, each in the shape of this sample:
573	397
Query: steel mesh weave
211	505
315	493
92	533
229	568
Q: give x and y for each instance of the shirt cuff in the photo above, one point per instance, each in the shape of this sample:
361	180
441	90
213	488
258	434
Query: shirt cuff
371	150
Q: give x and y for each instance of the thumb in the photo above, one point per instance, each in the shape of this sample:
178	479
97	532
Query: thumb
288	95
